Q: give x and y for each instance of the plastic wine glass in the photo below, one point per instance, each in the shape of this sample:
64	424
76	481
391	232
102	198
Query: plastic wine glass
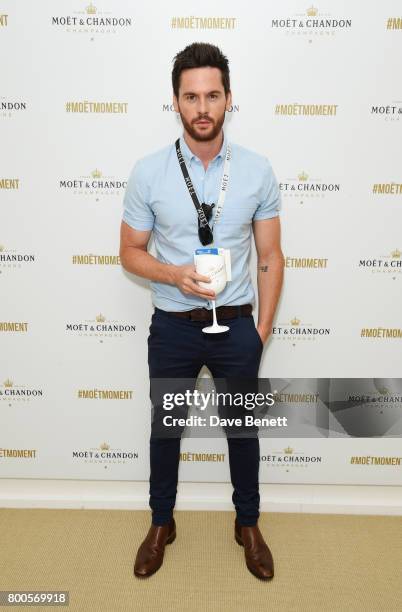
214	267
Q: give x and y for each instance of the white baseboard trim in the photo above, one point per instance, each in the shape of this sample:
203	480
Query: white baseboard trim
127	495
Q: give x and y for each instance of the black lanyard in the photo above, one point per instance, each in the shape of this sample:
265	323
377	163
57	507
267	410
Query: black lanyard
204	230
201	215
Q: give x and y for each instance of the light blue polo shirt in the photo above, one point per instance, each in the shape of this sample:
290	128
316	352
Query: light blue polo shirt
157	199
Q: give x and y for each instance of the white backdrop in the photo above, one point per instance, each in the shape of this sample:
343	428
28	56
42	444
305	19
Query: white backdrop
86	91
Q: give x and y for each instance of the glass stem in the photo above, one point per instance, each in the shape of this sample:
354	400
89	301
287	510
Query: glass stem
215	322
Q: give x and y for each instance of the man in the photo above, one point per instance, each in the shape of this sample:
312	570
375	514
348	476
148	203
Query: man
158	200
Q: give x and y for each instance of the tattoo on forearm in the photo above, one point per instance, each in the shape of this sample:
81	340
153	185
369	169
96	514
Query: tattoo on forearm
263	268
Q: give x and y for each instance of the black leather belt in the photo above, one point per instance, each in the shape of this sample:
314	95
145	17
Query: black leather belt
222	312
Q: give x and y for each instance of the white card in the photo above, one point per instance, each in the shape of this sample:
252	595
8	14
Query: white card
228	263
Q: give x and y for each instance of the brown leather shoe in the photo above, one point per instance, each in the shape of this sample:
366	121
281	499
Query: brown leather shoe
258	556
150	554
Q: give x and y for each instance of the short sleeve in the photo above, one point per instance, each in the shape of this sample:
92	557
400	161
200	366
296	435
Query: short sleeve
270	202
137	211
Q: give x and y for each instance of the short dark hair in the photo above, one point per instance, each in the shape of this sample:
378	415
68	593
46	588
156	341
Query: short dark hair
198	55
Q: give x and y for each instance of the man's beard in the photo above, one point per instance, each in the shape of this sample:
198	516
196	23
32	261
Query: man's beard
216	128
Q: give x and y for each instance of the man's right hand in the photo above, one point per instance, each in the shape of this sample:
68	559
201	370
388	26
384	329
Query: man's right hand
186	277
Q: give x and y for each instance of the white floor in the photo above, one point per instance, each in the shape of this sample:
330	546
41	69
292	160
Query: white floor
339	499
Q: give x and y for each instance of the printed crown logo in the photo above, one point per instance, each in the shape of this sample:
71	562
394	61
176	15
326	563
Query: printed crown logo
8	383
303	176
100	318
96	173
295	321
396	254
288	450
104	446
312	11
91	9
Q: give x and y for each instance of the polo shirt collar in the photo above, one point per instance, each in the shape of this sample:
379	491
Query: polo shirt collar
190	156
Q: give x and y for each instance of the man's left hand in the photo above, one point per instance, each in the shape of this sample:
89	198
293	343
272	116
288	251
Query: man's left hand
264	332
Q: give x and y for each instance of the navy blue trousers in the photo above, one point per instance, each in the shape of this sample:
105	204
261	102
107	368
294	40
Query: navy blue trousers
177	348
